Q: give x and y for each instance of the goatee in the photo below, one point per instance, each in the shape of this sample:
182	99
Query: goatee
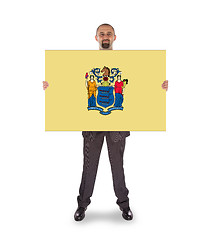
105	45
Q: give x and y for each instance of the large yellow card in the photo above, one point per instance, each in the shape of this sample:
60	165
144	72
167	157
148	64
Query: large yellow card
105	90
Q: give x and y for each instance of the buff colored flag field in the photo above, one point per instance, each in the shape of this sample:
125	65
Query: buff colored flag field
92	90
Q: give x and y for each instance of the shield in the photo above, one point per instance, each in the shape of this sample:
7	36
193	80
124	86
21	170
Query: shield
105	97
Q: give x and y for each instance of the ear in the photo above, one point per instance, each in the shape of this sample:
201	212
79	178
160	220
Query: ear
96	38
114	37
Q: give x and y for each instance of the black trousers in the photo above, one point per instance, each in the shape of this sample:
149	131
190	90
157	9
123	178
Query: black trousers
92	150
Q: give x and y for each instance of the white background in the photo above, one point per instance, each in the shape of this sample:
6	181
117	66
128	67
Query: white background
167	173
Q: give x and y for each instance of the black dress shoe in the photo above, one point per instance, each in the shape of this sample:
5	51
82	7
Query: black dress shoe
79	214
127	213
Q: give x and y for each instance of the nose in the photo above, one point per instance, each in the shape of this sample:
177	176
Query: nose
105	36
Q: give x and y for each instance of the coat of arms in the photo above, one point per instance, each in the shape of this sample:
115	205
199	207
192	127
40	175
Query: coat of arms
105	89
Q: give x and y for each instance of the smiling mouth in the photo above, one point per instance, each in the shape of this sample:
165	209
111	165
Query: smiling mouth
105	43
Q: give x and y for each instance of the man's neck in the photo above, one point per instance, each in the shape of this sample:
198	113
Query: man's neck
105	48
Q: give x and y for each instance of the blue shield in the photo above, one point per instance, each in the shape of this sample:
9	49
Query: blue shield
105	97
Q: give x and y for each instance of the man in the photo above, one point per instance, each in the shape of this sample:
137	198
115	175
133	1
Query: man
93	142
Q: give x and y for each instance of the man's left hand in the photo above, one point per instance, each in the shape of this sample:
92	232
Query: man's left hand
165	85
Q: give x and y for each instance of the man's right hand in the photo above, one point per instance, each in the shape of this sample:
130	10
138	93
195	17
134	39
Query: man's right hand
45	85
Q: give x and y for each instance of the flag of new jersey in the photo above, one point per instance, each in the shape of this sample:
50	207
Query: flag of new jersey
105	90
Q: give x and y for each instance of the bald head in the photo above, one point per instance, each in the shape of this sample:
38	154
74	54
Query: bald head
105	24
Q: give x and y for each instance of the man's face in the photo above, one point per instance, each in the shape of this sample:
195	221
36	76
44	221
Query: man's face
105	36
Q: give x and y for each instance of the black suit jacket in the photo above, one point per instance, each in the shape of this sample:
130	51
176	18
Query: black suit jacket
115	136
